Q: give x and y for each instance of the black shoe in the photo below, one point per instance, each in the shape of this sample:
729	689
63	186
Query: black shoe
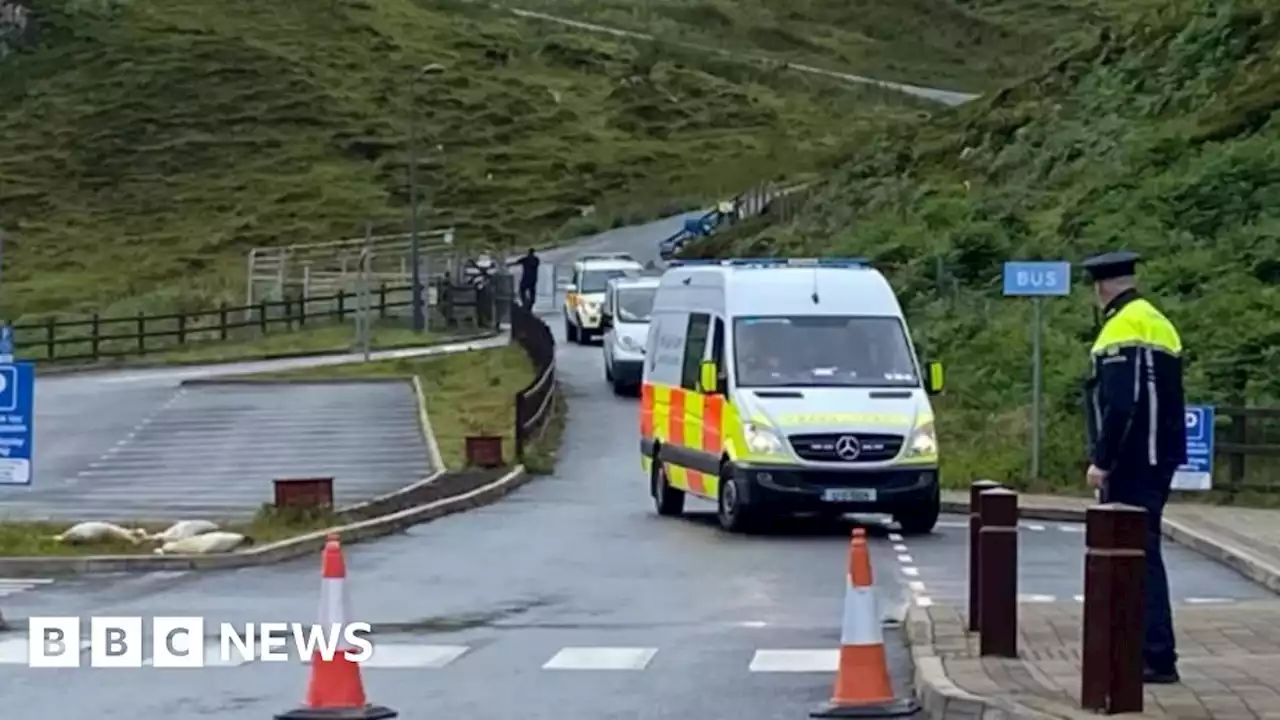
1153	677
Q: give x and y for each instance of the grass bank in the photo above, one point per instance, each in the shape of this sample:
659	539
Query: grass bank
146	145
30	539
974	45
1158	135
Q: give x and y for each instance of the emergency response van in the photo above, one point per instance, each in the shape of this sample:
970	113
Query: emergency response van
584	295
787	386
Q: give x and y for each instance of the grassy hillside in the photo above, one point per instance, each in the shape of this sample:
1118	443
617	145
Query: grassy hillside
146	144
1159	136
955	44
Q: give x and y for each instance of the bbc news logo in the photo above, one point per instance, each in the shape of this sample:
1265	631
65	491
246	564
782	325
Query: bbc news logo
180	642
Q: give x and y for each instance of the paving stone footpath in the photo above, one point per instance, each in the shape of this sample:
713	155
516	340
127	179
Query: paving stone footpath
1230	655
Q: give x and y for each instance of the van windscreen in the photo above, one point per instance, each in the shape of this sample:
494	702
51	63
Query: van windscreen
822	350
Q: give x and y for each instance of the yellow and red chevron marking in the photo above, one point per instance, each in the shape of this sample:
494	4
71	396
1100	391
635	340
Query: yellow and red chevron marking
675	416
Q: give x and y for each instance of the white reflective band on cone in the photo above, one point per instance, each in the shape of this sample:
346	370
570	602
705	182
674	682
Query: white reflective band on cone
861	619
333	601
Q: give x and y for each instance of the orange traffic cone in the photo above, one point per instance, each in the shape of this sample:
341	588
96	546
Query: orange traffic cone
336	691
863	688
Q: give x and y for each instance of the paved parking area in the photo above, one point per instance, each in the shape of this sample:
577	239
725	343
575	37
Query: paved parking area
212	450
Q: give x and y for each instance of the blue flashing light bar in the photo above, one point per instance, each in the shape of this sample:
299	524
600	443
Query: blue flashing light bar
775	262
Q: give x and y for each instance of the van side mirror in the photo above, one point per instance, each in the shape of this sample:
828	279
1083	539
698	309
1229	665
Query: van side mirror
707	373
606	321
935	379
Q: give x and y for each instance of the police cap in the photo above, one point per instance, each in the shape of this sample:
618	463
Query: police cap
1111	265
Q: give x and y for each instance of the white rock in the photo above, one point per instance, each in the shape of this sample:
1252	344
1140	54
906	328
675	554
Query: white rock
95	531
185	529
213	542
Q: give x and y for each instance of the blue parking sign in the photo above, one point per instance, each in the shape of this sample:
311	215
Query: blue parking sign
17	422
1197	472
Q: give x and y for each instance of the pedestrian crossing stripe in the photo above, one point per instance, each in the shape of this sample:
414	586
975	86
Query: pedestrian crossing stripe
13	651
13	586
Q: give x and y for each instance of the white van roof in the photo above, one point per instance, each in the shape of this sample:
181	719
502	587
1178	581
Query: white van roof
645	281
787	286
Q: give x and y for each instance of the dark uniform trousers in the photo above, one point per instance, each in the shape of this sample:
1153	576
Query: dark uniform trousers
1148	488
1137	434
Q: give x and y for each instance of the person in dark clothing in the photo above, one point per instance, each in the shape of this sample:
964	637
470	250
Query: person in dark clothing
529	279
1137	431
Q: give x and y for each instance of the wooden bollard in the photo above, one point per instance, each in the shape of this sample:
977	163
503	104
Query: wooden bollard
1114	602
975	557
998	578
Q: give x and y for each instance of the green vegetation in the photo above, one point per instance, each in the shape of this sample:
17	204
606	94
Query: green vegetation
1158	135
145	145
268	525
469	393
966	44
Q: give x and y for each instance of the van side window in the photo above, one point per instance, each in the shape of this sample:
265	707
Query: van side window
717	346
695	347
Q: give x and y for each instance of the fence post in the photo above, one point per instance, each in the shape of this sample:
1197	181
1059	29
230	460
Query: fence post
342	306
288	314
302	310
95	335
262	317
182	328
975	557
222	320
998	545
382	301
142	333
1114	598
1239	434
51	337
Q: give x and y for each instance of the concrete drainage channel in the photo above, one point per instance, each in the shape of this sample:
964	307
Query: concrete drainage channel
213	449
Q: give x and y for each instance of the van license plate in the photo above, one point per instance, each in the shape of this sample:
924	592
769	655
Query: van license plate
848	495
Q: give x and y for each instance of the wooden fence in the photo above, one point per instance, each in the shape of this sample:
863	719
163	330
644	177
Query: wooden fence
534	403
102	337
1247	450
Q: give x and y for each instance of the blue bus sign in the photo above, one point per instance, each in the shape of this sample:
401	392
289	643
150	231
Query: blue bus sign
1197	473
1037	278
17	422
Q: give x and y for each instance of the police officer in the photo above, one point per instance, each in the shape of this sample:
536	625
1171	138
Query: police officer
1137	432
529	278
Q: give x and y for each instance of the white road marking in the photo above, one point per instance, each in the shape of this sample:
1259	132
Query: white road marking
1207	601
601	658
899	547
906	560
752	624
895	537
916	586
1079	598
1036	598
1071	528
924	601
1033	527
911	572
824	661
387	655
951	524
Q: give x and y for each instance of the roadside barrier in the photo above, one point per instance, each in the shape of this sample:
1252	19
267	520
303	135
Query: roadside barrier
998	573
533	404
336	689
862	688
1114	590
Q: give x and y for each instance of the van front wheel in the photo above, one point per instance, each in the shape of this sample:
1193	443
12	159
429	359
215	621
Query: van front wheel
735	514
920	518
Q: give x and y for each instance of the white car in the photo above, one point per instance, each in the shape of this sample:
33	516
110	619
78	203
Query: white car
584	297
628	304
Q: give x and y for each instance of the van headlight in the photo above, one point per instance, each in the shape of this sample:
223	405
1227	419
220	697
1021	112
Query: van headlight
923	443
629	344
762	440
